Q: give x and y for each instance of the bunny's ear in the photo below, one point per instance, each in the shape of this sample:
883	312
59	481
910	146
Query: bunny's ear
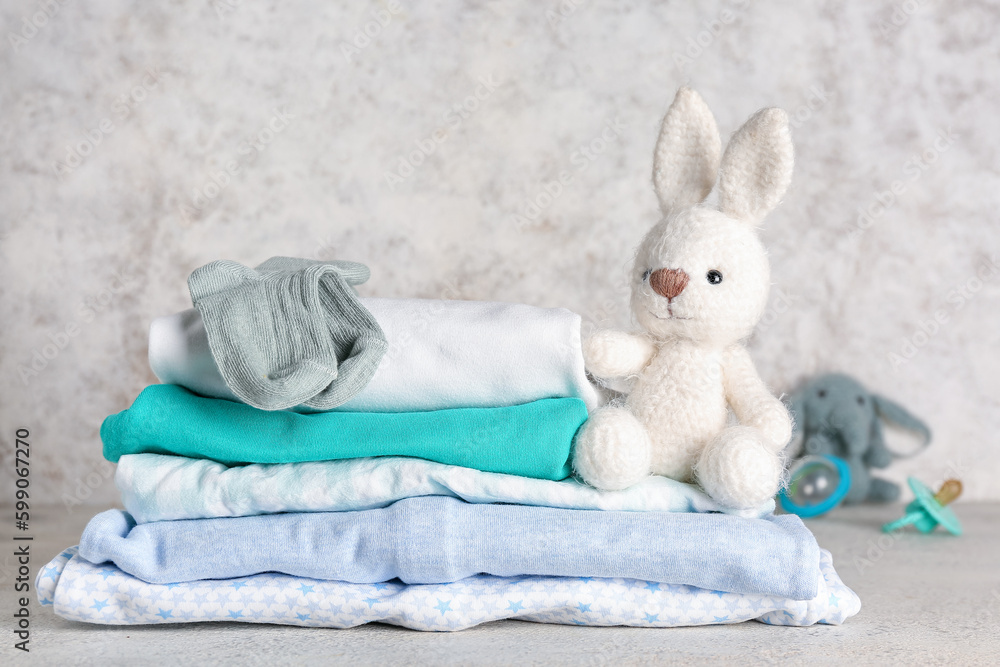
686	159
757	166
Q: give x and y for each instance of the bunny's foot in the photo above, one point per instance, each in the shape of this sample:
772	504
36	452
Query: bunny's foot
612	450
739	469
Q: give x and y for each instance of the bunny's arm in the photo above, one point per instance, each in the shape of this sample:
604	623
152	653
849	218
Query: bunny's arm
750	399
615	354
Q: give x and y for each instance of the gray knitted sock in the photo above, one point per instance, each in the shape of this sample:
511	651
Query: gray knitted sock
290	332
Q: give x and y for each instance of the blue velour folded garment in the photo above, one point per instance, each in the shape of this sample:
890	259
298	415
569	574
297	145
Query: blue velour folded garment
532	440
436	539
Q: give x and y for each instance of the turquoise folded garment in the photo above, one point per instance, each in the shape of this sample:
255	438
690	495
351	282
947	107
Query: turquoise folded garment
531	440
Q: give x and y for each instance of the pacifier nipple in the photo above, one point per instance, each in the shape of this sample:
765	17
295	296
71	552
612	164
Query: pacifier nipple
948	492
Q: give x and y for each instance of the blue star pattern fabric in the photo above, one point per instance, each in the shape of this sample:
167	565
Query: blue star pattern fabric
78	590
155	487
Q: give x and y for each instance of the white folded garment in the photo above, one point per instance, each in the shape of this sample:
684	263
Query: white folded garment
442	354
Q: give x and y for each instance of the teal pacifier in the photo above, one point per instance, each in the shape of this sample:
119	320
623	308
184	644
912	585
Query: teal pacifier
930	509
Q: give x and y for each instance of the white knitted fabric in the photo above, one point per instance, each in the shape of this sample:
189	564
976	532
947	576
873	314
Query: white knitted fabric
699	285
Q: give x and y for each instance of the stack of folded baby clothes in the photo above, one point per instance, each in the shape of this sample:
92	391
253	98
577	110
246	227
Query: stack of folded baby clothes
318	459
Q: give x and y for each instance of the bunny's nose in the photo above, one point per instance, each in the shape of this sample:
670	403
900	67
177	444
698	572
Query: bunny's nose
668	282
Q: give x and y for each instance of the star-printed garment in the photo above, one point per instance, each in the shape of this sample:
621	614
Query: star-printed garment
81	591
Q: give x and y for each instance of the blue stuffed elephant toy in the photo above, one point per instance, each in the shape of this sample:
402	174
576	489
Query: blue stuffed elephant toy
839	417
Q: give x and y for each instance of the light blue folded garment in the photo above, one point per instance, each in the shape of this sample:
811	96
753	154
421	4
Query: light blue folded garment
439	539
78	590
155	487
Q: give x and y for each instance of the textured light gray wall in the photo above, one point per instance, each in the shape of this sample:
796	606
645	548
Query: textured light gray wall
120	120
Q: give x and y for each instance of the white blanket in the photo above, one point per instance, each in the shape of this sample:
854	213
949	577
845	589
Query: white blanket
442	354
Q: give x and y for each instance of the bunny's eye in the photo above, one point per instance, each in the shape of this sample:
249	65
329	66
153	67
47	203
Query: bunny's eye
714	277
821	393
861	400
646	274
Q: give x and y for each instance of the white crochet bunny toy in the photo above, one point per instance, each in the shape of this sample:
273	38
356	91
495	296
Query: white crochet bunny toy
699	285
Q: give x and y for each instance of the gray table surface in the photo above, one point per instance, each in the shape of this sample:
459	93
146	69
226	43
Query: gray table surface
926	599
